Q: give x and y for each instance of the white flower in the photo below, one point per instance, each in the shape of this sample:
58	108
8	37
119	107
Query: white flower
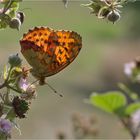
23	84
135	121
128	68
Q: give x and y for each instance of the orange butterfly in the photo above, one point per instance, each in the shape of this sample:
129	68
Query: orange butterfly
49	51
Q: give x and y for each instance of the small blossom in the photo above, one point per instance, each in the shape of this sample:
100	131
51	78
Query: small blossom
132	70
5	126
23	84
30	93
128	68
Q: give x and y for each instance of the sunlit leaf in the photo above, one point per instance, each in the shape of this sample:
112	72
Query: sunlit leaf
15	6
133	107
112	102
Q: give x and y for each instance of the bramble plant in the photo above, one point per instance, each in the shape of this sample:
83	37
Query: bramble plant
14	104
10	15
18	92
125	103
107	9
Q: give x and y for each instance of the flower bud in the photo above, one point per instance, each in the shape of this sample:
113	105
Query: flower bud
21	16
14	60
15	23
20	107
113	16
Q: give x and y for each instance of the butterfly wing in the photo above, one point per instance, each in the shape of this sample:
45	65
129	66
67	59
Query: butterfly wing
67	47
49	51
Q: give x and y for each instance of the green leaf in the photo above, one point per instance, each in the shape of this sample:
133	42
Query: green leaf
3	24
15	6
131	108
111	102
12	13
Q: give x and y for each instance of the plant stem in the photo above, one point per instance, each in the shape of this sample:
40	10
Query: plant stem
14	89
128	127
7	6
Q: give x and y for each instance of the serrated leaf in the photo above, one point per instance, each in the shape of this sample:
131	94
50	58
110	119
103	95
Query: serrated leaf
112	102
133	107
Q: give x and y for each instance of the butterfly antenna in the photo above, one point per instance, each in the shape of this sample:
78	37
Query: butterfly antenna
54	90
34	82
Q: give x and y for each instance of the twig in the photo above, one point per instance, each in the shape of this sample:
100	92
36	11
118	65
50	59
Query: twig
133	135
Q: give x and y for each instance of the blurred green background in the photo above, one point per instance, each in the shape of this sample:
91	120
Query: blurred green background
98	67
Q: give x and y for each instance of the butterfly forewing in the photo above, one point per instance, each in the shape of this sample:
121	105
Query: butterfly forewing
49	51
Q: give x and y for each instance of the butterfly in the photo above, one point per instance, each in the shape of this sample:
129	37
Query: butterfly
49	51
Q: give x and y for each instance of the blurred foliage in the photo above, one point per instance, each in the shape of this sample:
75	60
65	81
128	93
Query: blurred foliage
115	102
